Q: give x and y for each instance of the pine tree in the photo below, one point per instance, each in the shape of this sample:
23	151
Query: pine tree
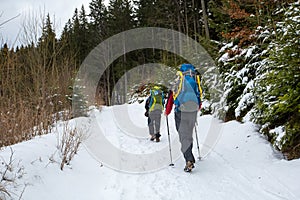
76	38
279	88
145	13
65	42
85	46
237	70
98	21
47	43
120	16
218	19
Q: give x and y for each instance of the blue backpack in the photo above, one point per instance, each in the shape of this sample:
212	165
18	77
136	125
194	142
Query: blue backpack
188	93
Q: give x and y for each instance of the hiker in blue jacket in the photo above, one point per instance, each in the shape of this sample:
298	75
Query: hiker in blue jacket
186	96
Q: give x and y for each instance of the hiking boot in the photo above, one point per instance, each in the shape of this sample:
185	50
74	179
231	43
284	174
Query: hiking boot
152	137
157	135
189	166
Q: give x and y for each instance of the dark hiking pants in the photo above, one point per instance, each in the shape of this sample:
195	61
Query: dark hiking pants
185	123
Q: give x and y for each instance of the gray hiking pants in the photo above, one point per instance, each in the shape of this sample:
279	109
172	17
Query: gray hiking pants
185	123
154	121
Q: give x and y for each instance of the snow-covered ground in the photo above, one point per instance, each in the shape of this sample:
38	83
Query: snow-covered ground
239	164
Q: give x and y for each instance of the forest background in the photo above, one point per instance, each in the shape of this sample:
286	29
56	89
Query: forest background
254	43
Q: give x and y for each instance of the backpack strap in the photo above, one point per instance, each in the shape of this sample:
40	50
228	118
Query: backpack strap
176	93
199	85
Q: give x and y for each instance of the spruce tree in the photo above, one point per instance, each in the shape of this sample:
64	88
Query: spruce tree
279	88
47	43
98	21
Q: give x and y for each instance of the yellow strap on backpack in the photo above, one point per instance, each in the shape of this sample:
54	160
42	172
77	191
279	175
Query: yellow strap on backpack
176	93
153	104
199	86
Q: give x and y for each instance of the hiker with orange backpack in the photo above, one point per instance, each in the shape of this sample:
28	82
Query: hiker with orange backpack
186	95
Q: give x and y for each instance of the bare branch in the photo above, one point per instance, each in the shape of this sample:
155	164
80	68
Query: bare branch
2	189
69	144
1	24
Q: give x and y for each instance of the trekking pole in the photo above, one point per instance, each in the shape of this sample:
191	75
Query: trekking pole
196	124
171	164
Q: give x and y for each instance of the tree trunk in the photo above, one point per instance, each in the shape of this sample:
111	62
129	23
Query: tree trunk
108	86
205	19
125	72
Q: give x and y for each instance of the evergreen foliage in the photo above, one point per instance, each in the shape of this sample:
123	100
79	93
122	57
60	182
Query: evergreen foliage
279	87
261	75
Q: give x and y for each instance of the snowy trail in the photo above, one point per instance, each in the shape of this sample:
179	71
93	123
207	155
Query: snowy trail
242	165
